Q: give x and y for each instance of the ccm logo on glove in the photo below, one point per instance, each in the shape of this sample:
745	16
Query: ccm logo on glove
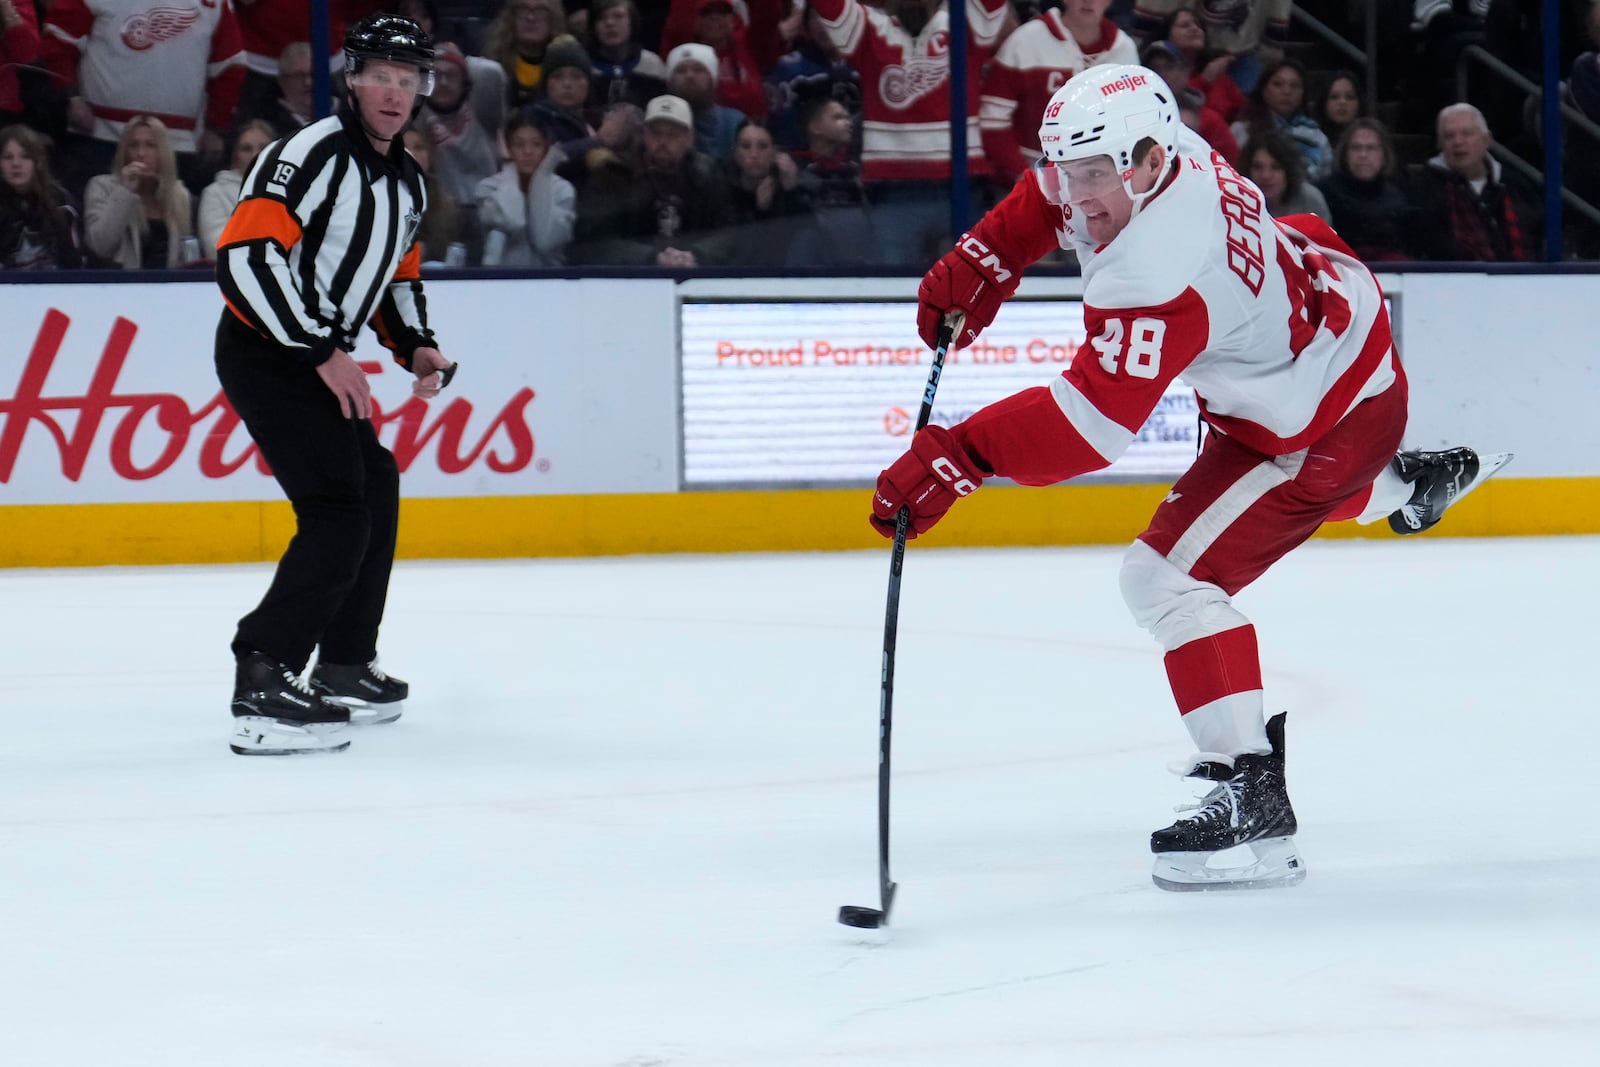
979	253
935	473
958	481
971	279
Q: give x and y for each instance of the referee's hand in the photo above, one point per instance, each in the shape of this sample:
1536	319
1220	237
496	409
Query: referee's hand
429	366
349	383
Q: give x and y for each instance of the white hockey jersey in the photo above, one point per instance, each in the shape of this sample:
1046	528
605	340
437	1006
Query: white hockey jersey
1276	324
905	84
178	60
1031	65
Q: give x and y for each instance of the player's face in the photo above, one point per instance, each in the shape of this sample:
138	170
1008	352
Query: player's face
16	167
1094	187
386	93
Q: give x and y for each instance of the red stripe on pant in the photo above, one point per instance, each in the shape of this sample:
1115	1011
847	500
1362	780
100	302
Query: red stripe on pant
1214	667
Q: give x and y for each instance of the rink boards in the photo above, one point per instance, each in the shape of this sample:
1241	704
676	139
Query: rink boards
609	416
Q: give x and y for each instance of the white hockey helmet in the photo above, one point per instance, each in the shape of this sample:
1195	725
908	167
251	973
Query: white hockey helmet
1107	111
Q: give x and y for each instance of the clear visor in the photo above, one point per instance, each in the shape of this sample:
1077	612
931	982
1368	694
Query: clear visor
1078	180
393	76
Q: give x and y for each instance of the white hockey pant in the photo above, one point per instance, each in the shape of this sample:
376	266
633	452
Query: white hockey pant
1179	611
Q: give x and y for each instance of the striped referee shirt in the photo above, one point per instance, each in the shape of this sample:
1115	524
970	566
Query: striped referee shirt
323	239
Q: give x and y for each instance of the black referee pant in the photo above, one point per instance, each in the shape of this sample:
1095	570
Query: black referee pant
333	579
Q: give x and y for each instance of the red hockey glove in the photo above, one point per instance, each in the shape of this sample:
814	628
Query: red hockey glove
927	479
970	279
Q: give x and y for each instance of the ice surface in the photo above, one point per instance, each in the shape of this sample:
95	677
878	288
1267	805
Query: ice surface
628	797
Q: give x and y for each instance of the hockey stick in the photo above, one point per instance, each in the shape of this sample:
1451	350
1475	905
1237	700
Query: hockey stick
850	914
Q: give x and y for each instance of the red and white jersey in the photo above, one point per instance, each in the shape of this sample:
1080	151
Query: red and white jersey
1034	62
178	60
905	84
267	27
1276	324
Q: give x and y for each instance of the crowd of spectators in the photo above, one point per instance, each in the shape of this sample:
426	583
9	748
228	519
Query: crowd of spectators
709	133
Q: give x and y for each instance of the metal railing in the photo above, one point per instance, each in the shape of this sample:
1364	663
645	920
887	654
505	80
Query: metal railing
1575	119
1366	59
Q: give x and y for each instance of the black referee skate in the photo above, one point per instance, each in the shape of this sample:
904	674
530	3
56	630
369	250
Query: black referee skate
276	714
1439	480
1249	807
373	697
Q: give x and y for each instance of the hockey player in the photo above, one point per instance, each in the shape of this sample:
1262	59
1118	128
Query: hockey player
322	241
1283	335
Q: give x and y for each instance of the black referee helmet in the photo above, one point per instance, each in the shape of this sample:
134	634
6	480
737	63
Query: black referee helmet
390	38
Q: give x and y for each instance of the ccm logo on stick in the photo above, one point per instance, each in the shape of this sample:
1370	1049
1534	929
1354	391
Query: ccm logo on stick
947	471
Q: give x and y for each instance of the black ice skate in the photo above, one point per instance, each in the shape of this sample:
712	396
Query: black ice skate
1250	808
373	697
1438	480
276	714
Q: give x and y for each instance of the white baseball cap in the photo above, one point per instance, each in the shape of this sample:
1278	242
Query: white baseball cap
670	109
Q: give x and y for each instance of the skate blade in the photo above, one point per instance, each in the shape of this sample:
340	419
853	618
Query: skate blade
365	714
1488	464
257	735
1271	863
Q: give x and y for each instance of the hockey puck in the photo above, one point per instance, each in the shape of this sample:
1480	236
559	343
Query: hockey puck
864	918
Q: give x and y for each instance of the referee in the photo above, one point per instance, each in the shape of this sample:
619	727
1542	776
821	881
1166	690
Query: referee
323	239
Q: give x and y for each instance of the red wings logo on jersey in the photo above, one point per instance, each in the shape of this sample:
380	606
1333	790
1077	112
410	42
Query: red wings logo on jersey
903	84
144	31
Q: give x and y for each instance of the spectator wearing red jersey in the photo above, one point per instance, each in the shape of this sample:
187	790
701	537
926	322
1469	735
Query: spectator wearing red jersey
19	44
1033	63
903	54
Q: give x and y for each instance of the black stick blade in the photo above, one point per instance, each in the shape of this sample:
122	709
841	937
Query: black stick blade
864	918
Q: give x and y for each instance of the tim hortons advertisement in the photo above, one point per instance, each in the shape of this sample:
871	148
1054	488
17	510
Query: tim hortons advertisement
108	394
828	393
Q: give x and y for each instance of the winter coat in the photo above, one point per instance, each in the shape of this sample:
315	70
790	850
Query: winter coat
762	237
114	224
1500	224
526	229
32	238
1315	151
628	213
216	205
1375	218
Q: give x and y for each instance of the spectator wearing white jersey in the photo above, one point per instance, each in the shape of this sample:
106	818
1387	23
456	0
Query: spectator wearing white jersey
903	53
181	65
1033	63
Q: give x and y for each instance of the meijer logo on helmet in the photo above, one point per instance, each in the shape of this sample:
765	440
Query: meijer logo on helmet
1127	81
